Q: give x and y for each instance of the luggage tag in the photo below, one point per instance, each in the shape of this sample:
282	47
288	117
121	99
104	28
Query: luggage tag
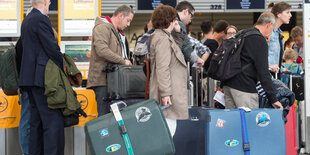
246	109
120	105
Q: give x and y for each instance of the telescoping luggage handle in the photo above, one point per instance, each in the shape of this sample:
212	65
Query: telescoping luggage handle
121	124
246	143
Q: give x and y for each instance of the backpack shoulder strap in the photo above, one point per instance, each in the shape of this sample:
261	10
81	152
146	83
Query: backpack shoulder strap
251	31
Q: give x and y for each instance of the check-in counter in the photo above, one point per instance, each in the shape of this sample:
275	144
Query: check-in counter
75	140
9	122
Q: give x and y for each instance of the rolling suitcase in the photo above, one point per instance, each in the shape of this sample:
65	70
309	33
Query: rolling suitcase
125	82
126	102
189	138
146	128
265	132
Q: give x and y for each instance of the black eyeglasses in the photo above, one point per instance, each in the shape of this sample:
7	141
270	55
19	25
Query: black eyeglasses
190	12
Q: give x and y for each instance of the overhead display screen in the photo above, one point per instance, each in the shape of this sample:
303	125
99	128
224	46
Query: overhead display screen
245	4
152	4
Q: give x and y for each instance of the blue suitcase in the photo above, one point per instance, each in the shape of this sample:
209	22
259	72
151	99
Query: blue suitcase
265	128
189	138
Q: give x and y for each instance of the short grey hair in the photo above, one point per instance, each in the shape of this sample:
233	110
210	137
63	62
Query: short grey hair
126	10
35	2
266	18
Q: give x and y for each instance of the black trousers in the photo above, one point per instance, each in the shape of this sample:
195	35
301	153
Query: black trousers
46	125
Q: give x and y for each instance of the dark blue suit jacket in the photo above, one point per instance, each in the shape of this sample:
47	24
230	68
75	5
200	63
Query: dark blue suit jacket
39	45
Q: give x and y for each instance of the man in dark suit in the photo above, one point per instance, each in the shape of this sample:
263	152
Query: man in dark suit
39	45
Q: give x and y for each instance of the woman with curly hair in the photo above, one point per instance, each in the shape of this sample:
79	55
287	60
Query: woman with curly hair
168	82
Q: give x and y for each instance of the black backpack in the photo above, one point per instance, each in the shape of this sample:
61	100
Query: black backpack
225	62
298	88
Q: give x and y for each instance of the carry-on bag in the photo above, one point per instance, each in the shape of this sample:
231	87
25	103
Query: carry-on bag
125	82
261	132
142	130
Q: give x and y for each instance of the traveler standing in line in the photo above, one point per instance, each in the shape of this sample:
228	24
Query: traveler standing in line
231	31
39	45
219	31
207	33
282	12
168	82
108	47
24	123
298	46
185	13
213	37
208	40
240	91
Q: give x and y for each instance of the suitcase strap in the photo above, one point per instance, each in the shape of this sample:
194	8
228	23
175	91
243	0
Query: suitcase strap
246	143
122	127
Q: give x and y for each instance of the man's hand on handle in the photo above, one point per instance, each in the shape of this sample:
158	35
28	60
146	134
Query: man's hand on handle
127	62
277	105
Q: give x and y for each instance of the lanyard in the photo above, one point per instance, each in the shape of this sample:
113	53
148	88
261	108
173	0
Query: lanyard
121	124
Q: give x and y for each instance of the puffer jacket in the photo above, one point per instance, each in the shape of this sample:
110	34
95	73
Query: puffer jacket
283	94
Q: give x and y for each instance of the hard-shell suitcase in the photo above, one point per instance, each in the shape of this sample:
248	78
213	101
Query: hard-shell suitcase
146	128
127	102
189	138
291	133
125	82
265	129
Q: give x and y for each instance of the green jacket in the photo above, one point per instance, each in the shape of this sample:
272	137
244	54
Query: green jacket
58	88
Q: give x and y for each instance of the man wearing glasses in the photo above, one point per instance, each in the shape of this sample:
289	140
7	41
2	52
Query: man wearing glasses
185	15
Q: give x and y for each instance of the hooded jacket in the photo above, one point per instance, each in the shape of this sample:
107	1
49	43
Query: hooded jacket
106	49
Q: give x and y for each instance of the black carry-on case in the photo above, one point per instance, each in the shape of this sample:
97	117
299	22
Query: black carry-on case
125	82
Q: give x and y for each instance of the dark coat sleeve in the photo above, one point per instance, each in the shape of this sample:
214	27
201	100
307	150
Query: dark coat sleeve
259	55
48	41
19	53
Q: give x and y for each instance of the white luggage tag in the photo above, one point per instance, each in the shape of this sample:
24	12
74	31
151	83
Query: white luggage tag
246	109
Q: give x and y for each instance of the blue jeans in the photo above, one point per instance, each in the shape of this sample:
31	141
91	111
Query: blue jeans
101	96
24	123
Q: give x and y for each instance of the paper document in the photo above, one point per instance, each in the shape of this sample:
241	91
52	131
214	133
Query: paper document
219	97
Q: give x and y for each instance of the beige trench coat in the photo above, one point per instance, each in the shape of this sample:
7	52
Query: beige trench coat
169	74
106	48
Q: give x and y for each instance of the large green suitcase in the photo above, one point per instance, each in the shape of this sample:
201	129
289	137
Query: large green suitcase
146	128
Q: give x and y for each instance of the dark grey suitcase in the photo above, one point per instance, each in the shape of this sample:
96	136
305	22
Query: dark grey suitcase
125	82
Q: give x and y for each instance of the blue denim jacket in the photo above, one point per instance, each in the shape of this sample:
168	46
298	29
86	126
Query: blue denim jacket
274	47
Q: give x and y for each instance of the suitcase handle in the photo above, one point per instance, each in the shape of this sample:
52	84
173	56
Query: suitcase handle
122	104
